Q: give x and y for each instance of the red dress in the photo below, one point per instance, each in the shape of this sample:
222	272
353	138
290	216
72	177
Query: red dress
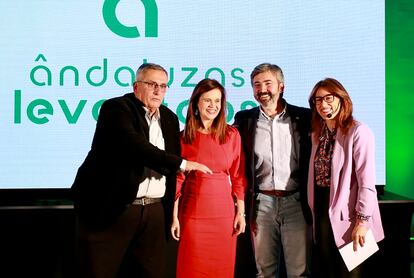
207	245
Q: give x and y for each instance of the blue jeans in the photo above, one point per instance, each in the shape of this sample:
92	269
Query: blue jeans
281	224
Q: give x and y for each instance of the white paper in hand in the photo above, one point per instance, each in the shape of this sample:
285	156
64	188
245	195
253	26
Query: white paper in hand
354	258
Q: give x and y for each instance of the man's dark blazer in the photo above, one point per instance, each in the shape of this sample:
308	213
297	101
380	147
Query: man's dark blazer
246	122
107	182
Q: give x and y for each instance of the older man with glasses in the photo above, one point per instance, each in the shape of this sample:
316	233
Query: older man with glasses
124	191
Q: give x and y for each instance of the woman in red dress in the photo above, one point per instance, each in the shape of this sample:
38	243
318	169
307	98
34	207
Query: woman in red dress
209	208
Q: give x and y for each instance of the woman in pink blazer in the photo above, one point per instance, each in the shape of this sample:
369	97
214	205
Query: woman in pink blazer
341	181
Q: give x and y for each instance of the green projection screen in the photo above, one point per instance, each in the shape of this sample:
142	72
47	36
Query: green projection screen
400	97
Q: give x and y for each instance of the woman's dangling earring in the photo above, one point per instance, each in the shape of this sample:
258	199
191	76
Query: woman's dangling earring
196	113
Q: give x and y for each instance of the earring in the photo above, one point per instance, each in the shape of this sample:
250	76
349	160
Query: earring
196	112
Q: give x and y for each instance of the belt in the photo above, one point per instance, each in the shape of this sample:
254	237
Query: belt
278	193
143	201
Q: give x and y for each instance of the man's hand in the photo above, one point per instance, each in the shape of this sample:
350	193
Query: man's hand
195	166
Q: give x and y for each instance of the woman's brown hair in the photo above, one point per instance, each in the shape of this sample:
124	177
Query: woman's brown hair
193	120
344	119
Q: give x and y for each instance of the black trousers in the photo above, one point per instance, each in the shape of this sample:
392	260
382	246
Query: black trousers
326	259
133	246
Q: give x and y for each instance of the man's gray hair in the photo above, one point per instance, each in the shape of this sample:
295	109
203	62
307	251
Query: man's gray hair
276	70
149	66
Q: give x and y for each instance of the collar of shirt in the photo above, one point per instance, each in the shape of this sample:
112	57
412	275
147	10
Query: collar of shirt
281	115
155	116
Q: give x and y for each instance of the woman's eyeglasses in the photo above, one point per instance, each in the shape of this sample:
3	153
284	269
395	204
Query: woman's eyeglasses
329	98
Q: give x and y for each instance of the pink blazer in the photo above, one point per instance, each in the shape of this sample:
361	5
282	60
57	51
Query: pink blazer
352	183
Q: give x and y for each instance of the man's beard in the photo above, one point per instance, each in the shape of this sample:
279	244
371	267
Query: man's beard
261	94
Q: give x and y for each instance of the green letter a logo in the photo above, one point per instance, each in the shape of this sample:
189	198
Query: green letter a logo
151	19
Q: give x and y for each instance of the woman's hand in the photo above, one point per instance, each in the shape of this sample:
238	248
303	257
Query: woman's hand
175	229
359	232
239	223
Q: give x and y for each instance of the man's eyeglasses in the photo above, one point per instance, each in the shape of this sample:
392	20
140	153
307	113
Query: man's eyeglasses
329	98
154	85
